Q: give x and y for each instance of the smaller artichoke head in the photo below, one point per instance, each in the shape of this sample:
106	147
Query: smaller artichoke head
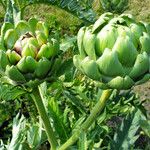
27	51
115	51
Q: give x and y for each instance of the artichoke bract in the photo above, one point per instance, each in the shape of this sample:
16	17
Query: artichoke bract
115	51
27	51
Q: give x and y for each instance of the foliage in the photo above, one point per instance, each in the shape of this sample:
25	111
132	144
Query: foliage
25	135
69	103
15	8
69	99
115	6
125	136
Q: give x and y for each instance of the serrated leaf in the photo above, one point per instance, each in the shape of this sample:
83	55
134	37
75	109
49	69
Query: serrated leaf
57	118
10	92
52	108
65	67
75	101
126	136
18	133
36	135
43	92
67	43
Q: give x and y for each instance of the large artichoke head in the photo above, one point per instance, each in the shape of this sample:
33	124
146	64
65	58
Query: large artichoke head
27	51
115	51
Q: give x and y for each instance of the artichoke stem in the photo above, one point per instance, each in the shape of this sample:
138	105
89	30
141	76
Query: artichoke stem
43	114
88	122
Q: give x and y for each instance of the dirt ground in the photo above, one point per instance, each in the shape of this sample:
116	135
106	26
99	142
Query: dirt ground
144	93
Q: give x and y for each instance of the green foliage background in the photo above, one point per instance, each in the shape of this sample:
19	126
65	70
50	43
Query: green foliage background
68	25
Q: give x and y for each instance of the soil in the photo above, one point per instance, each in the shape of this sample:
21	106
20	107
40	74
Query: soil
144	92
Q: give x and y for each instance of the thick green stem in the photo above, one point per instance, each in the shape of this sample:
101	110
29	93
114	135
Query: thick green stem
42	112
84	127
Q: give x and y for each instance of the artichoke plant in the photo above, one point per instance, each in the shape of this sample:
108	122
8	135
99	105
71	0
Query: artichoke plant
116	6
28	56
27	52
115	51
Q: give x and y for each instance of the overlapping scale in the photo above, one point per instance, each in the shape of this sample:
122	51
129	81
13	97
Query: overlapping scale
30	51
115	52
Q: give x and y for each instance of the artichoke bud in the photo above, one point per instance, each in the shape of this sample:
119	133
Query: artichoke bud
77	62
48	50
32	23
18	46
42	27
145	40
106	38
108	61
45	51
118	20
101	22
121	50
29	50
3	60
27	64
41	38
126	31
13	57
126	50
10	38
6	26
89	44
14	74
2	44
121	83
128	18
142	62
137	30
80	42
42	68
22	27
24	41
33	41
91	68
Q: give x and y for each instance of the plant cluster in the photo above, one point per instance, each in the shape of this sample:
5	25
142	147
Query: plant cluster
54	97
118	42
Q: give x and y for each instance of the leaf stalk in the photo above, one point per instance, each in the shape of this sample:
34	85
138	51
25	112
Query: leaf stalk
88	122
43	114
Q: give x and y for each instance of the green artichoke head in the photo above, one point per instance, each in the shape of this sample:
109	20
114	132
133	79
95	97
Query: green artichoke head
115	51
27	51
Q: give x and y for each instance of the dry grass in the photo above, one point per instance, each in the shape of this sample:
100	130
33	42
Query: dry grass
140	9
144	92
51	13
